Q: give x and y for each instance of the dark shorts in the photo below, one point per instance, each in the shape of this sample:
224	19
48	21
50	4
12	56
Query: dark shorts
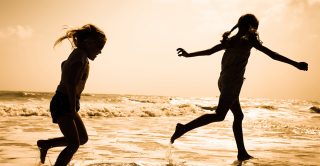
230	88
229	94
59	106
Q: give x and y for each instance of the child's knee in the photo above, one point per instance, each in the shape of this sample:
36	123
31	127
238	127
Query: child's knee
84	139
73	147
238	117
220	116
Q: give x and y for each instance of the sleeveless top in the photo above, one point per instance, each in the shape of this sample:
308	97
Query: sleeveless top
235	57
77	56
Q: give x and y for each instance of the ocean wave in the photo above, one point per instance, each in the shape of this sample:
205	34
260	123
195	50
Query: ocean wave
137	110
109	105
110	110
23	110
22	96
268	107
315	109
149	99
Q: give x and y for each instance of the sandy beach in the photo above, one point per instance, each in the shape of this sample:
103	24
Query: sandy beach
145	141
135	130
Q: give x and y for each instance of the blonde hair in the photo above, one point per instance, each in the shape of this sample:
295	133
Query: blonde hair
78	35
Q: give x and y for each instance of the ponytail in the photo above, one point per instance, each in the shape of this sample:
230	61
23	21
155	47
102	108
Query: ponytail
247	23
225	36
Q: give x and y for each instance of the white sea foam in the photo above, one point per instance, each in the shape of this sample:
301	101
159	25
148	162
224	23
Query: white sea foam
135	130
37	104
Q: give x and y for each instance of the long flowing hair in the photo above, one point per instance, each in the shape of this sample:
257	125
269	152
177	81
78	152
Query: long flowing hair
76	36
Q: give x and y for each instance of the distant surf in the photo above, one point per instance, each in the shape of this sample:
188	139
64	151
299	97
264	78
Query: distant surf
110	105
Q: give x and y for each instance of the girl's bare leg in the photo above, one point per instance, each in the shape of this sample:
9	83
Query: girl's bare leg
237	131
69	130
45	145
203	120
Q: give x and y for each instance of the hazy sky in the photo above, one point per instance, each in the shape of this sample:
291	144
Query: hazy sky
140	54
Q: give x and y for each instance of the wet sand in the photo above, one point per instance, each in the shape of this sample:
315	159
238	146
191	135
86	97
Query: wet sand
145	141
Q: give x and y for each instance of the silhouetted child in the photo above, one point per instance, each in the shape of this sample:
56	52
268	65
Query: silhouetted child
235	58
88	42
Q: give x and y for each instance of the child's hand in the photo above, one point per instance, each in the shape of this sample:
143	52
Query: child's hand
182	52
302	66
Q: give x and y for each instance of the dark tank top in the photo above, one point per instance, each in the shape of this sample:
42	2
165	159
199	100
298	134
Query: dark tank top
77	56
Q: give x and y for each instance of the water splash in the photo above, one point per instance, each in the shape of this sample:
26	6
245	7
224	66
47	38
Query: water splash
169	155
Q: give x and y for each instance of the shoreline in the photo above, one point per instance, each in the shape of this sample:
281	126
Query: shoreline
145	141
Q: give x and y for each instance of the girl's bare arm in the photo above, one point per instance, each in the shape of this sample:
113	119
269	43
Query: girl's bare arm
216	48
74	77
278	57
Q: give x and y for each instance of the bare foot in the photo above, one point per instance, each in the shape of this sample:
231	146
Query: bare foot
43	150
178	133
244	157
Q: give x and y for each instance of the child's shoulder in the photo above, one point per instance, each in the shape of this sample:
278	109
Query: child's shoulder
78	55
253	38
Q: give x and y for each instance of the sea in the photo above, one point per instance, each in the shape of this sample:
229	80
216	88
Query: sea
134	130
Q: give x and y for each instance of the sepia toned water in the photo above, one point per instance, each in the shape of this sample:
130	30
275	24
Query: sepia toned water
131	130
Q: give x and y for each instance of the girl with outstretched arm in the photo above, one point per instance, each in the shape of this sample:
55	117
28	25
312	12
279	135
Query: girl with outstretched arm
235	58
